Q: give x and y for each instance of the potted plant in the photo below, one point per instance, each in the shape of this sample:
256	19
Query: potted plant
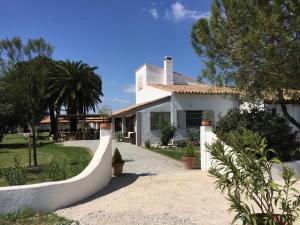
189	157
244	172
117	163
206	118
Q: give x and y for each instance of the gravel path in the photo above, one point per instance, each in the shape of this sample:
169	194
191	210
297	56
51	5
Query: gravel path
154	190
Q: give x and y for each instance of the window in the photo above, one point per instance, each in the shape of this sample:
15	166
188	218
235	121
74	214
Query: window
193	119
157	118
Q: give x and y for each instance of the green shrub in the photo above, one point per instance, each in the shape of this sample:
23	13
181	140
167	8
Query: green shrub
189	151
244	173
77	168
274	129
57	171
119	136
193	136
117	158
167	132
15	175
181	143
147	143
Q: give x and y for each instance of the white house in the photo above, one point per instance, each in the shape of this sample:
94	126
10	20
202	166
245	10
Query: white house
163	93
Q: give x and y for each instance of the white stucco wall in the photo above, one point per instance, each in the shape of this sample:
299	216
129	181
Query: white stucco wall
217	103
46	197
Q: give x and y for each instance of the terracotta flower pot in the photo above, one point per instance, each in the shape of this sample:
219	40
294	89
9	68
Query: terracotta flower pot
189	162
118	169
206	123
279	220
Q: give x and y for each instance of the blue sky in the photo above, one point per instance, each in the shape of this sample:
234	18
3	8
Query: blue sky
116	35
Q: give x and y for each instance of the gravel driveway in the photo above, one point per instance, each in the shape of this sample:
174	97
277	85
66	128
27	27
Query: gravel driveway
155	190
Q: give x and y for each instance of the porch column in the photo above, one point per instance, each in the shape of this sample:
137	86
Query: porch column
113	122
138	129
123	125
173	119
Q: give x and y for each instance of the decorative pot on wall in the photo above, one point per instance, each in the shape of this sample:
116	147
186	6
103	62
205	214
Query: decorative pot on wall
206	123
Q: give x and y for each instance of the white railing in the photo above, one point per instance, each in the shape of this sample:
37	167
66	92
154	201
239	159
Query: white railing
47	197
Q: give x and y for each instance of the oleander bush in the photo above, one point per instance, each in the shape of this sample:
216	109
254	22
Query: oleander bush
275	129
244	173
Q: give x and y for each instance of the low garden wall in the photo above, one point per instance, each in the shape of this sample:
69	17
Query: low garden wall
47	197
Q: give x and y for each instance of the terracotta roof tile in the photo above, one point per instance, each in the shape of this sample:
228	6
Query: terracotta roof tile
196	89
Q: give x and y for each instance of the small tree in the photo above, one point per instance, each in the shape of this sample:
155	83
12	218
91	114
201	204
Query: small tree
167	132
245	174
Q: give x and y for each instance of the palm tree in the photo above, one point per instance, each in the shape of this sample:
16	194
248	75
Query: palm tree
77	87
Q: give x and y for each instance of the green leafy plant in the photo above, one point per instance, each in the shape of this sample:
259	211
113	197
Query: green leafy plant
77	167
15	175
57	170
274	129
119	136
117	157
193	136
147	143
245	174
189	151
207	115
167	132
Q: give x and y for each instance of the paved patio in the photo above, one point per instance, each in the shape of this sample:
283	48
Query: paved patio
154	190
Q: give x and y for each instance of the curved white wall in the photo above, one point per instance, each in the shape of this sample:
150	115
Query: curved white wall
46	197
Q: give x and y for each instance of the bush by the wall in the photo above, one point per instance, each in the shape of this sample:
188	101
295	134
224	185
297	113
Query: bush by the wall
57	171
274	129
15	175
147	143
167	132
193	136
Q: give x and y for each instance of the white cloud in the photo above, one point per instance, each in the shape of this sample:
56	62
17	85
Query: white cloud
129	89
119	100
153	12
179	13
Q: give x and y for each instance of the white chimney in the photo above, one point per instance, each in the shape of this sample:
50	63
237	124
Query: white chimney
168	70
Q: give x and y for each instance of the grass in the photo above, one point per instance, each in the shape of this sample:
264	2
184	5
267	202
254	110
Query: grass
14	145
27	217
177	153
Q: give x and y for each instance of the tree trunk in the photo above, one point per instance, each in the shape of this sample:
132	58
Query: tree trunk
288	116
73	124
285	111
52	121
33	127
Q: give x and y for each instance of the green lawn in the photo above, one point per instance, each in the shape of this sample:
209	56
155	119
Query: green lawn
14	145
177	153
26	217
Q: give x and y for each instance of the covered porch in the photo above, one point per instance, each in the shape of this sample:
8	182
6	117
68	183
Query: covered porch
127	122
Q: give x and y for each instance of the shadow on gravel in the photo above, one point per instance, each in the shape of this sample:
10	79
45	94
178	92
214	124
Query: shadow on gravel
115	184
